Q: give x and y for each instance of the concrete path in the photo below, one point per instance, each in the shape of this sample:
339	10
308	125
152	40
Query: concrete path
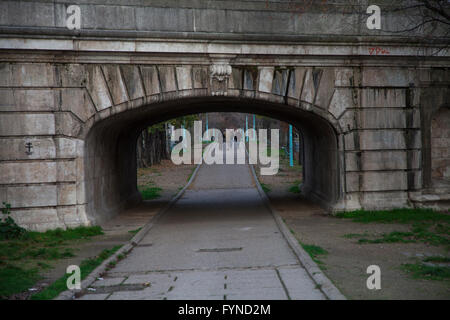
218	241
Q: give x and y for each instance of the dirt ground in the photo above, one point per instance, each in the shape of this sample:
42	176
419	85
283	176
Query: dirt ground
347	261
167	176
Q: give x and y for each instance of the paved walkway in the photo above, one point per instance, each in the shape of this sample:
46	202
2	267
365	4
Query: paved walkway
218	241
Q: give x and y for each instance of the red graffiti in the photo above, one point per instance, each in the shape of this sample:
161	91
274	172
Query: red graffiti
377	51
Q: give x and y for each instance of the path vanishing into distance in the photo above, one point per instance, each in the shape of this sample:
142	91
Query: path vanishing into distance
218	241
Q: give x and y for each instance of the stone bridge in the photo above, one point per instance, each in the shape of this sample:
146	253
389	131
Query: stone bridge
373	109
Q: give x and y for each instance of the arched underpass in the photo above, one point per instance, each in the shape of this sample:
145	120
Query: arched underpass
217	241
110	157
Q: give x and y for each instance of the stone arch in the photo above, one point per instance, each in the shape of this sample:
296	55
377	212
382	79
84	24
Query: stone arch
124	99
110	163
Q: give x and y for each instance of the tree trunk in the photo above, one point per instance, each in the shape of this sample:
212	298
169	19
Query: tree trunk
151	148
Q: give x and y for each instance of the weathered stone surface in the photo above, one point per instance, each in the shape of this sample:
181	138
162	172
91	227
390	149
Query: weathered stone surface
296	82
311	85
97	88
133	81
15	148
27	172
27	124
184	78
37	219
326	88
379	160
376	140
342	100
383	98
352	181
265	79
377	127
344	77
78	102
250	79
440	145
27	100
150	79
236	79
73	75
384	200
167	77
280	81
200	77
67	194
347	120
18	13
70	216
67	124
66	148
114	17
383	77
164	19
32	75
31	196
376	181
115	83
66	171
382	119
383	181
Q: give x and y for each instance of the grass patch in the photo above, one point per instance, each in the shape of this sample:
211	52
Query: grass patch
265	187
427	226
354	235
314	251
421	232
421	271
395	236
86	267
22	259
62	235
133	232
294	189
14	279
150	193
437	259
190	175
396	216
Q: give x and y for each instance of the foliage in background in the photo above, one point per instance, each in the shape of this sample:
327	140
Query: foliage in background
8	227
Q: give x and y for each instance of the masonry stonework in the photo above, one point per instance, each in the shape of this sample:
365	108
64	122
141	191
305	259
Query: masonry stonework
375	129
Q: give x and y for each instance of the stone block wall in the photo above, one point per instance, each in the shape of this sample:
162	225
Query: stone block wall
67	130
440	145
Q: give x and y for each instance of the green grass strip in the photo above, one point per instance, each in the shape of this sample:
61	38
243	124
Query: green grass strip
15	279
150	193
396	216
422	271
86	267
